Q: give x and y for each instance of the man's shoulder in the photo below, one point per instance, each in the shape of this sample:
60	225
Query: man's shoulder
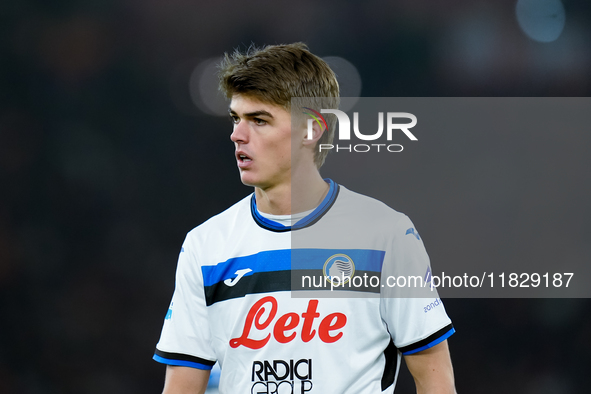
371	215
366	205
225	219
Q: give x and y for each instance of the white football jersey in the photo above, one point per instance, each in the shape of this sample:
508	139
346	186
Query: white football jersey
255	296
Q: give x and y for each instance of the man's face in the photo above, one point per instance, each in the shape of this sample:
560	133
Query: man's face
262	137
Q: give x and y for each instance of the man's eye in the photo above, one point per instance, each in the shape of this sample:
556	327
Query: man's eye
234	119
259	122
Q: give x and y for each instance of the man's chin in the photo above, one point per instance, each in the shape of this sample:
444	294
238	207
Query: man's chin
253	181
247	179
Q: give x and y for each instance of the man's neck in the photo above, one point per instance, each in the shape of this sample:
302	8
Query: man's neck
300	195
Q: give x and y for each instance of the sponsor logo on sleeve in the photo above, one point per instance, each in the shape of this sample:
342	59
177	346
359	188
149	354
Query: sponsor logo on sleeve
432	305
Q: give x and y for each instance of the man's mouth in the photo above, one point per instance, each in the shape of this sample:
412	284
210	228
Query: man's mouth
243	158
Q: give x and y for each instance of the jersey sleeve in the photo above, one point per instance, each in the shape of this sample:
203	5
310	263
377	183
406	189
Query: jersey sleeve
186	339
415	323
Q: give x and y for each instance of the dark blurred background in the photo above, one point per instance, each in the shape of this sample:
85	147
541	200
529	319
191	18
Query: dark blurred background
112	147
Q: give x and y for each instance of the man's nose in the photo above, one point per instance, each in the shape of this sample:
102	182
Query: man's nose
240	133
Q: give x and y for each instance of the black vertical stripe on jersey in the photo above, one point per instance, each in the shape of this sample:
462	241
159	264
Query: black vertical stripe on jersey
391	354
259	282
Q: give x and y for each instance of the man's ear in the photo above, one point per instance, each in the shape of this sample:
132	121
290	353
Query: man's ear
312	134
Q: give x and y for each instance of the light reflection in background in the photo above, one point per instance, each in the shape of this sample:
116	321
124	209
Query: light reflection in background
541	20
203	87
348	77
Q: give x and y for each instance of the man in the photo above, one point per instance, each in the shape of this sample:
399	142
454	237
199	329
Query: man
233	301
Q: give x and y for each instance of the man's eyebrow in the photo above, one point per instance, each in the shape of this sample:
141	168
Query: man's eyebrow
253	114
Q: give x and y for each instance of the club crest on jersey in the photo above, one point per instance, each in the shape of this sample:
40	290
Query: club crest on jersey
339	266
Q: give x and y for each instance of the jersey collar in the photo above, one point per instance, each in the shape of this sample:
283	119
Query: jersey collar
307	221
